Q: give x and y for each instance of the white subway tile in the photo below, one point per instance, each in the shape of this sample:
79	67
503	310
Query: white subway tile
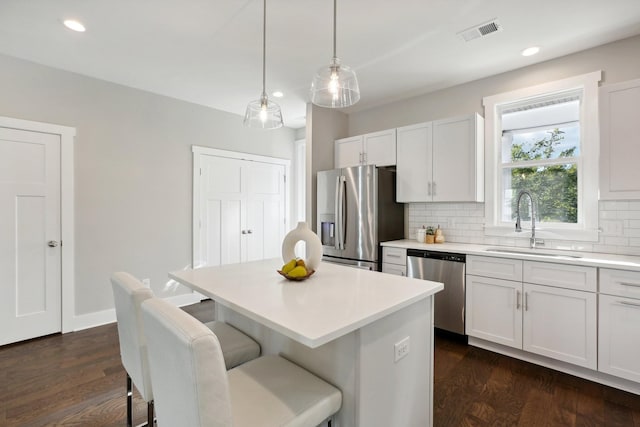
617	241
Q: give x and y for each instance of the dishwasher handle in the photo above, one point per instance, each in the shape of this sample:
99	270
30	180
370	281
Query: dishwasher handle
445	256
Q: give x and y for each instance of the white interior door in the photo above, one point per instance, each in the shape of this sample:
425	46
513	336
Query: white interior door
241	209
223	206
265	210
30	291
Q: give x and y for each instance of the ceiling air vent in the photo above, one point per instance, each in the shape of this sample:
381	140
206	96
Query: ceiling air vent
481	30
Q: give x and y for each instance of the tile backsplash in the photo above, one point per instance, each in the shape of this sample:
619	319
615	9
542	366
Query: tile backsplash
619	223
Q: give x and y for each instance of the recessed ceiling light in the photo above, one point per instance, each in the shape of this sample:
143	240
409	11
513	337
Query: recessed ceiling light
530	51
277	94
74	25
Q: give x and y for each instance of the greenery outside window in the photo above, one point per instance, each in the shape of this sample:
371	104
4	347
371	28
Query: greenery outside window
545	140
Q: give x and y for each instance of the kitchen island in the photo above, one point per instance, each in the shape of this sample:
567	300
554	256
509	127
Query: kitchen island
346	325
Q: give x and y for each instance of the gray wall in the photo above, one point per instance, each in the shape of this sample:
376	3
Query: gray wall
619	61
133	169
324	126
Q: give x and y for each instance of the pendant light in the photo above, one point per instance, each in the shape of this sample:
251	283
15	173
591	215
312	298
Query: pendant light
336	85
263	113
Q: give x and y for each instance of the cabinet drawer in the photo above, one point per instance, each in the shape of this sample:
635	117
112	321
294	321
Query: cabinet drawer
561	275
620	282
394	255
499	268
398	270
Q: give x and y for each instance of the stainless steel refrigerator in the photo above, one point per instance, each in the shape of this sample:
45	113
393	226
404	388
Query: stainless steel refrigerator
357	210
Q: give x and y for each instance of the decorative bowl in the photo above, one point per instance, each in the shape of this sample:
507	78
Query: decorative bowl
297	279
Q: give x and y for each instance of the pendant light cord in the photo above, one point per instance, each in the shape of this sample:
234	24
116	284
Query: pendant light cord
334	28
264	47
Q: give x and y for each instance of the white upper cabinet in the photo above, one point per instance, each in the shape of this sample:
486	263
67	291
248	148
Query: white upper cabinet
413	169
348	152
441	161
458	159
377	148
620	140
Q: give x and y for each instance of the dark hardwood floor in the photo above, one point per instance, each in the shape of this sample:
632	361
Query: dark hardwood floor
77	380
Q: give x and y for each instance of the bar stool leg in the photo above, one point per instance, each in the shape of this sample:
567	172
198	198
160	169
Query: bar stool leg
129	402
150	414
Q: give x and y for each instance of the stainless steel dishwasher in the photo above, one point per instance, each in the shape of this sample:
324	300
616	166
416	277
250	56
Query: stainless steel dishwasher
448	268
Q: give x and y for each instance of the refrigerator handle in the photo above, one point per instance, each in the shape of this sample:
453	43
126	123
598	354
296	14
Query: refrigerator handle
340	212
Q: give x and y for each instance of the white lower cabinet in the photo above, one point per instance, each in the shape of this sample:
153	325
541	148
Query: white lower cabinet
493	310
619	329
560	324
619	324
550	321
394	261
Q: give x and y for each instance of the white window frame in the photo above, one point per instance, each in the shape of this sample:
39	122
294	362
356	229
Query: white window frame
587	227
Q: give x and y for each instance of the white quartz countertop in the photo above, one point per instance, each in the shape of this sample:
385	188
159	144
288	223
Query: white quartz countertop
593	259
331	303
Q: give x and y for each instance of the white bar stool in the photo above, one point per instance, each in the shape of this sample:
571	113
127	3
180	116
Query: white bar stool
128	294
193	389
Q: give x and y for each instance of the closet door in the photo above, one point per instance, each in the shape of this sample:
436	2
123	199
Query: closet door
222	211
265	210
241	210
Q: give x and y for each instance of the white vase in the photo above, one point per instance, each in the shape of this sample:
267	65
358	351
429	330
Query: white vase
312	241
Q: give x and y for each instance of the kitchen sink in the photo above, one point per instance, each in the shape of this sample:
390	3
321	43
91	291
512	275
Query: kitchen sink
534	252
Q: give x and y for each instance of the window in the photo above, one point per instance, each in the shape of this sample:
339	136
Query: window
545	140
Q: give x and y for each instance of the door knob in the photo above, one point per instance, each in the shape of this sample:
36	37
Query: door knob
249	231
52	243
244	231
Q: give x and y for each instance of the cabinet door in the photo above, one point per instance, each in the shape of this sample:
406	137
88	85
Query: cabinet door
618	344
380	148
458	160
560	324
398	270
620	141
348	152
413	163
493	310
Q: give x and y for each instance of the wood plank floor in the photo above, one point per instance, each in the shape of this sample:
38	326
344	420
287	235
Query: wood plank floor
77	380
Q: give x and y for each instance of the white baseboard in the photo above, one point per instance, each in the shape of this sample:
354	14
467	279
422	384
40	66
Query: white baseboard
99	318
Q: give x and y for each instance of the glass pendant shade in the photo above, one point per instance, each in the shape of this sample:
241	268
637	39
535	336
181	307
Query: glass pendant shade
263	113
335	86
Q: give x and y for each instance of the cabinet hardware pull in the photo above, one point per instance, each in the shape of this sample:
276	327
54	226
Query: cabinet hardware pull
393	256
429	190
526	301
518	296
635	285
632	304
244	231
434	188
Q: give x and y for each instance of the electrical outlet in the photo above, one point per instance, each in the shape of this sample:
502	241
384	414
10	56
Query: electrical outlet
147	283
401	349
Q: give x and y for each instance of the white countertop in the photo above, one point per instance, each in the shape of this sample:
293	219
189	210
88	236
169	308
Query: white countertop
334	301
592	259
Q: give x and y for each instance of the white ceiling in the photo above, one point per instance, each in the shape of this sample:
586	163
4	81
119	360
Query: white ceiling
209	52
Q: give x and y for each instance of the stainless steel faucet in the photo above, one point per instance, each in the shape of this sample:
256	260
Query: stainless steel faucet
532	240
